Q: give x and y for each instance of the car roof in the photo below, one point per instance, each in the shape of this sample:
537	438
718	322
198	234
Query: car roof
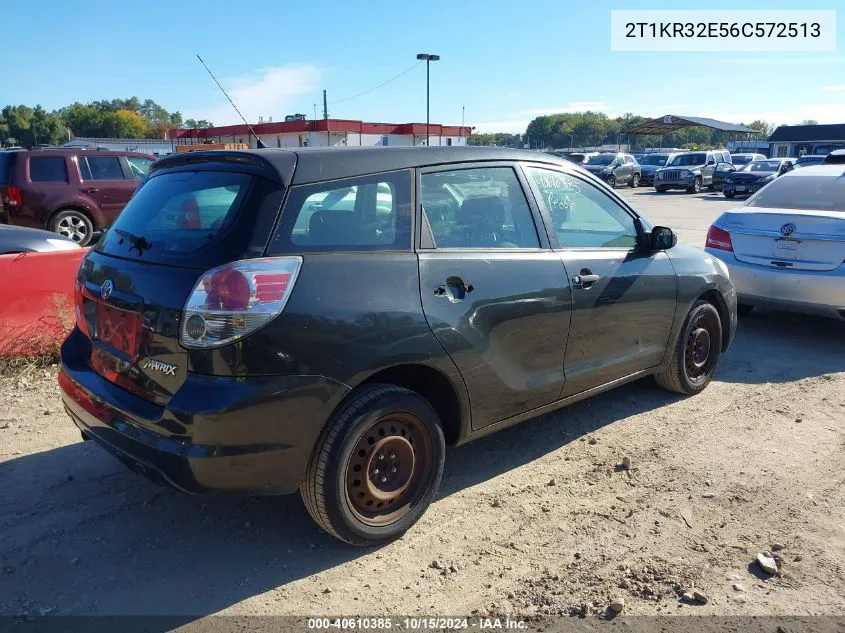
830	171
54	151
316	164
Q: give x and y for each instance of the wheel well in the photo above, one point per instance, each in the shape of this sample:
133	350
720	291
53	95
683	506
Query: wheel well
715	297
84	212
431	385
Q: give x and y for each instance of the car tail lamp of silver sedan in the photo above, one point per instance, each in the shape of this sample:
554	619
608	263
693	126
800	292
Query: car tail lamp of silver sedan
719	238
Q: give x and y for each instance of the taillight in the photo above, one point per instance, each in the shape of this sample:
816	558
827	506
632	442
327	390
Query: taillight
234	300
12	196
717	238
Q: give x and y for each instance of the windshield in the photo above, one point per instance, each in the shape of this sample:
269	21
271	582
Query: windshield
812	193
688	160
740	159
654	159
172	216
601	159
763	165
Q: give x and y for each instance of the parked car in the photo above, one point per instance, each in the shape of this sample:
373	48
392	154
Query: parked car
785	247
836	157
225	344
690	171
754	176
615	168
70	192
722	171
809	159
579	158
741	159
17	239
649	164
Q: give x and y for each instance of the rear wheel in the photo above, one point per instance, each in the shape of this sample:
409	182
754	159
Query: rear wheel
697	352
377	466
635	181
611	180
743	309
73	224
729	195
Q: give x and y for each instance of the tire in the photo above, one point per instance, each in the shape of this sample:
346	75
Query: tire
660	189
729	195
744	309
611	181
696	185
688	373
398	424
74	224
635	181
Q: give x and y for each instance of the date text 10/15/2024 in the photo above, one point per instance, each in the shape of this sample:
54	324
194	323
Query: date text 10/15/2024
417	624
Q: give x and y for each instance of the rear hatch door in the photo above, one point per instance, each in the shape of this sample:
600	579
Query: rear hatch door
133	285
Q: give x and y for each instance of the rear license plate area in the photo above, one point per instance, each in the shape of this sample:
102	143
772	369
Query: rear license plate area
740	188
119	330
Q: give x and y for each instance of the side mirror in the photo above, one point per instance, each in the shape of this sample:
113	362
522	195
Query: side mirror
662	238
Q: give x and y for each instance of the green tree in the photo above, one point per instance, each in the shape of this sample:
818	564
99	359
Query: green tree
124	123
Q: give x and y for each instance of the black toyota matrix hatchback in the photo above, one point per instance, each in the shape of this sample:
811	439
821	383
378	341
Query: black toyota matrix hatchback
329	320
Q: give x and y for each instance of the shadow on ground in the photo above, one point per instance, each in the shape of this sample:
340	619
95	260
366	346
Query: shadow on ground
79	534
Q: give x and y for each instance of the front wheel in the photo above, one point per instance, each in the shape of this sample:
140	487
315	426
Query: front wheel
635	181
611	181
377	466
697	352
696	185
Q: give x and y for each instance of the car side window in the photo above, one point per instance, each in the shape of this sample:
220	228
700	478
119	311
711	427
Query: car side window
482	207
100	168
139	167
366	213
629	160
583	216
48	169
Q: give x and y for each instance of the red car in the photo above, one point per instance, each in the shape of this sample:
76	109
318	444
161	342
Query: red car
70	192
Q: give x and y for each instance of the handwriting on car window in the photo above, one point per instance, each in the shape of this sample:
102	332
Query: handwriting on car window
555	188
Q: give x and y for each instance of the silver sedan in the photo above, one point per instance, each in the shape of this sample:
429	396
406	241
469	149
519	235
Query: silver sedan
785	247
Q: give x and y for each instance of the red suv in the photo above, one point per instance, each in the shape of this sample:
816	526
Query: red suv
71	192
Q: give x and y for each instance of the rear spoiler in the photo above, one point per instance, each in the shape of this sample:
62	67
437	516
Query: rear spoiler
250	161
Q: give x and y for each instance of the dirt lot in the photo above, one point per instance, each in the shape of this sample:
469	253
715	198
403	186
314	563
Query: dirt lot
536	519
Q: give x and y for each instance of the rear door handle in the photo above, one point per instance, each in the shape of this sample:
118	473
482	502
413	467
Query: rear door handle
585	281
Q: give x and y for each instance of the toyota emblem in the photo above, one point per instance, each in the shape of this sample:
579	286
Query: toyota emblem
787	229
108	286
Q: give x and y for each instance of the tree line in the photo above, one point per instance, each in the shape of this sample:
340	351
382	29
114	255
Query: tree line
591	129
117	118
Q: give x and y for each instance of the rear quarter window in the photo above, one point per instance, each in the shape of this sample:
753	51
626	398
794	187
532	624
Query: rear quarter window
48	169
362	213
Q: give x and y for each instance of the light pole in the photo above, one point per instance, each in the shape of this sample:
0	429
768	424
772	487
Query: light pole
428	57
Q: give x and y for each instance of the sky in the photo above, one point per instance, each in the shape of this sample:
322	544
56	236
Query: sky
502	62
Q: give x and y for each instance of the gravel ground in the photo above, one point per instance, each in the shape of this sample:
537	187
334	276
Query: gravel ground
540	518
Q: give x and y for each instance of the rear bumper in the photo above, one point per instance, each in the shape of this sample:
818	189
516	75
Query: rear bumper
812	292
748	188
217	434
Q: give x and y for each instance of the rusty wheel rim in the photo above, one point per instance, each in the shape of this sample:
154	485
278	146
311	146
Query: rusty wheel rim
389	469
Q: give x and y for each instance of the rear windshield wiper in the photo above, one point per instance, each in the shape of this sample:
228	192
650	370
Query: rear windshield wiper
139	244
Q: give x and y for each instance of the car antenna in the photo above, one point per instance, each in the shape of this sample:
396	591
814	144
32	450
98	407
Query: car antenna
259	142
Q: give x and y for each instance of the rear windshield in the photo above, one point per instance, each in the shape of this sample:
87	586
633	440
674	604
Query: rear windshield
813	193
601	159
654	159
6	167
176	217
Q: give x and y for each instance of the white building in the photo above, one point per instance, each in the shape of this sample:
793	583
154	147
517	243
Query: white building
328	133
154	146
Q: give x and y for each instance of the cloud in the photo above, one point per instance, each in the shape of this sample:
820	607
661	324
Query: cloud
511	127
267	92
823	113
834	88
575	106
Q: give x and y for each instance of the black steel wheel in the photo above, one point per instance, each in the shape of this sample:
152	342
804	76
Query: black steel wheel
697	352
377	466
